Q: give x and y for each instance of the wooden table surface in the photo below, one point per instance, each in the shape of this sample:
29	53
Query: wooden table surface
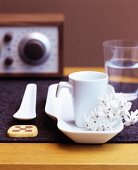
55	156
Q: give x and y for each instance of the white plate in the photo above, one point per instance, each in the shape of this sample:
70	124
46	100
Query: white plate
61	109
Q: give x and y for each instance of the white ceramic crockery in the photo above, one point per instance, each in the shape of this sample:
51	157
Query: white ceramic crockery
27	108
85	87
61	108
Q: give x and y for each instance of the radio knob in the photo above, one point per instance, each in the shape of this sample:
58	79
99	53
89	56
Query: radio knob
34	48
7	38
8	61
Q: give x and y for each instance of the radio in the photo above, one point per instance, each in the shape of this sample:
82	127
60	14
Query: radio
31	45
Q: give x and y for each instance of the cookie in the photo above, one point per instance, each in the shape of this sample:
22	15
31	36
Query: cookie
19	131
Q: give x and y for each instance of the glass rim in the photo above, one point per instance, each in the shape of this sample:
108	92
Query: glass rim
107	43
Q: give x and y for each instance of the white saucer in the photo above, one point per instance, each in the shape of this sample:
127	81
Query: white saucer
61	109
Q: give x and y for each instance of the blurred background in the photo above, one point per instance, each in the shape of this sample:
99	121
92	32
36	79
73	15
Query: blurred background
87	24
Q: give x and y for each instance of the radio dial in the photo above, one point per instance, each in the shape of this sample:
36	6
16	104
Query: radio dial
34	48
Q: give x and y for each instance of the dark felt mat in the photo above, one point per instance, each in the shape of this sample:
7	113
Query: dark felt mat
11	93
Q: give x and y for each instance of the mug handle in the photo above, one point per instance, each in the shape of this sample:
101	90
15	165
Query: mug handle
61	85
110	89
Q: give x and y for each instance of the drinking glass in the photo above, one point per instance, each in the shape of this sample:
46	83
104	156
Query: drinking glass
121	64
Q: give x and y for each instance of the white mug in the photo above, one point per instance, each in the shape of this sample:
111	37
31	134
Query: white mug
85	87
